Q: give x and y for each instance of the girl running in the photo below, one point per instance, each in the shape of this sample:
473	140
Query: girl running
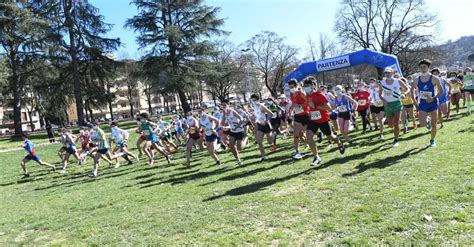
208	124
343	104
31	155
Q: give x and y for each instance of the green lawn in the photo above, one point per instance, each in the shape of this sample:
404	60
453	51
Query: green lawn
373	194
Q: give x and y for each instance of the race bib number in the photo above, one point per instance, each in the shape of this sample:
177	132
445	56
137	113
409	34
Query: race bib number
146	132
299	109
192	130
469	83
387	93
425	94
362	102
274	115
315	115
342	108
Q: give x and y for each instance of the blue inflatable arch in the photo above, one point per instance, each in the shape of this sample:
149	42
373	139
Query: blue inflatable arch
365	56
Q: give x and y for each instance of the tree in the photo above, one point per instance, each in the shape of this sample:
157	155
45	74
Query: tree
385	25
175	30
23	32
272	58
80	31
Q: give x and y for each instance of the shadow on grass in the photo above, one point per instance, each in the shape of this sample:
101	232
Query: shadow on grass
251	172
254	187
384	163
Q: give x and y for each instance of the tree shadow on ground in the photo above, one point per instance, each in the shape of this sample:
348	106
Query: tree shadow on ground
254	187
384	163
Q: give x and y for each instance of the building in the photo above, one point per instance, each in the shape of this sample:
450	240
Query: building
30	119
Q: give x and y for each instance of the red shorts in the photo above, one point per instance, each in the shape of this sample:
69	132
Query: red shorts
143	137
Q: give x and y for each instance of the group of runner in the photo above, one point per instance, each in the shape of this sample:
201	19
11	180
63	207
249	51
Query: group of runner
312	109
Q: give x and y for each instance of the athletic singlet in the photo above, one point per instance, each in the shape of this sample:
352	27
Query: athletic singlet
300	103
375	97
207	125
391	93
260	116
445	89
343	105
243	114
234	122
456	86
147	129
426	89
191	126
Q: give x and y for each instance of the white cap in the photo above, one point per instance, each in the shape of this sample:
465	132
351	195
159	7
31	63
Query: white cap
388	69
282	96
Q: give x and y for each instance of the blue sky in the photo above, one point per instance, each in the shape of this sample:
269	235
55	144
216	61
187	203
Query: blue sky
294	19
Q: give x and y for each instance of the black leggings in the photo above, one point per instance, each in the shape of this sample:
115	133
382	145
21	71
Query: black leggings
365	120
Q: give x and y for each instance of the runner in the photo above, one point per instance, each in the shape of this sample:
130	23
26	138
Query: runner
390	91
468	88
376	107
285	106
86	147
141	139
430	90
120	137
456	84
69	140
194	136
98	136
344	104
179	130
147	126
407	112
164	134
208	123
300	115
362	96
275	120
232	119
319	120
32	155
261	112
443	101
240	109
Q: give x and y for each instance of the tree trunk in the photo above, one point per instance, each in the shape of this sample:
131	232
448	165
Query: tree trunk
87	114
16	101
130	98
75	63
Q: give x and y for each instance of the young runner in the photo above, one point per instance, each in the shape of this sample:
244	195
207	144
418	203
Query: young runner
300	115
456	84
443	101
208	124
376	107
407	112
468	88
148	128
362	96
98	136
390	91
264	128
430	90
31	155
164	134
319	120
69	142
232	119
120	137
194	136
344	104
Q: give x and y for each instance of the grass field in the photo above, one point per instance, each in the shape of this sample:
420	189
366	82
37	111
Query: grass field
373	194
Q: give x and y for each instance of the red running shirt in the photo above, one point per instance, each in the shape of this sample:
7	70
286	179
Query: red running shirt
362	98
318	99
299	102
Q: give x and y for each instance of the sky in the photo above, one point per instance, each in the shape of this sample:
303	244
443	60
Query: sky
296	20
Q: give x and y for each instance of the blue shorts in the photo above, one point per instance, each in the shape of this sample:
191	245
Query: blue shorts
409	106
218	129
429	107
71	149
153	138
443	99
180	130
103	151
211	138
32	157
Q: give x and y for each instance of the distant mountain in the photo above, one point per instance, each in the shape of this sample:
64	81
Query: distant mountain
455	53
